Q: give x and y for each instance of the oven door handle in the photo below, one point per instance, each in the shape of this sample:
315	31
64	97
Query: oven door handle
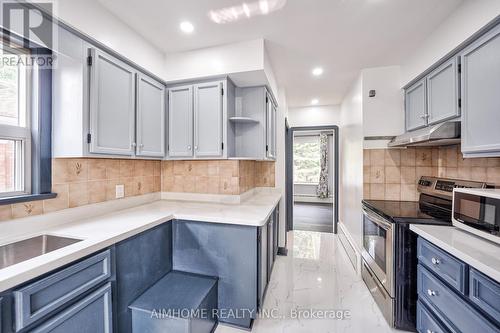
377	219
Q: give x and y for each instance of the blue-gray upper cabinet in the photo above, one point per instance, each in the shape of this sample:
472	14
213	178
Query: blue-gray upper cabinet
416	106
442	93
91	314
208	119
150	117
180	121
270	128
480	96
112	105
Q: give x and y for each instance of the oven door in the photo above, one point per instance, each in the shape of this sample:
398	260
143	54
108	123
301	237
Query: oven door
378	248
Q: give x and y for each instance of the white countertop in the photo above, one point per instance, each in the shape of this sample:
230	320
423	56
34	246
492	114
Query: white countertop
473	250
99	232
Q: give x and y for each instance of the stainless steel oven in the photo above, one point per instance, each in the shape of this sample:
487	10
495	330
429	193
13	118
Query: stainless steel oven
378	261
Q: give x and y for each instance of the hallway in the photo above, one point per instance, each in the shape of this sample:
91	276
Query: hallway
313	216
317	275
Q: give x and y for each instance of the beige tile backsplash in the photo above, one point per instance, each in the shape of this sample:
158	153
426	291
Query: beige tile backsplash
393	174
83	181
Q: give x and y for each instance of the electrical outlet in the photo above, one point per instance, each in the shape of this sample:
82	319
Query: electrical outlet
120	191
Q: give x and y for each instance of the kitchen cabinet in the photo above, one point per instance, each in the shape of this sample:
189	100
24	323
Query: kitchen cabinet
112	105
480	84
180	121
150	117
91	314
416	106
103	106
198	119
253	124
208	117
442	93
270	128
444	301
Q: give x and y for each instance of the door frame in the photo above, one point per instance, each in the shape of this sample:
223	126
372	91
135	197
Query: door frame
289	134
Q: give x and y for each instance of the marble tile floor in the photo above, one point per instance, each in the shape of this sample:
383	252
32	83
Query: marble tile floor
316	275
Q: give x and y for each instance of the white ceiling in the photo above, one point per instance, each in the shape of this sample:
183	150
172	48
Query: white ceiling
342	36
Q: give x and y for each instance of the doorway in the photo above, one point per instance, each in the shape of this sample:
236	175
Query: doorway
312	178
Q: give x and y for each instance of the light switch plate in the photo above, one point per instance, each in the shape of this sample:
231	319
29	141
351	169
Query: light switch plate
120	191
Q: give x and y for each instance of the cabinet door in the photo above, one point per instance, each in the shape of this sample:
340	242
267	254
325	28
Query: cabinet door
415	106
270	128
263	258
208	119
480	95
112	105
150	117
442	93
91	314
180	121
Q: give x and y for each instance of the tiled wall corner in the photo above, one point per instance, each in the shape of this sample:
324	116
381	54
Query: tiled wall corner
393	174
216	177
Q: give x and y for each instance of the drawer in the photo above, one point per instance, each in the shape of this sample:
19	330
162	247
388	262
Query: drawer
449	306
91	314
426	322
38	299
447	267
485	293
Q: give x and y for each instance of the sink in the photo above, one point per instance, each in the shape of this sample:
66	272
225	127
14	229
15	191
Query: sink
11	254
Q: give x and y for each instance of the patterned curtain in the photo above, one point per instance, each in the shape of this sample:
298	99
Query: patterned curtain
322	191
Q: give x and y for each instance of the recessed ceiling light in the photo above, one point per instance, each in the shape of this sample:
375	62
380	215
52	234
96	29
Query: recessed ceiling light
264	6
317	71
187	27
314	101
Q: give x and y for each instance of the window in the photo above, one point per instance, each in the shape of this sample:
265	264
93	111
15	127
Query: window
306	159
15	133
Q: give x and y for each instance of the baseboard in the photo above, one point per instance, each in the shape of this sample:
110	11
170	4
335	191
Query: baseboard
348	244
282	251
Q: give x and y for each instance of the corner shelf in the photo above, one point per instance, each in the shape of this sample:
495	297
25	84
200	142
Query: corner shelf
243	120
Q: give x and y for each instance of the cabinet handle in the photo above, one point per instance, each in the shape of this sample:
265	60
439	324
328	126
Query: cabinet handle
189	147
431	292
429	331
195	147
133	144
435	261
424	116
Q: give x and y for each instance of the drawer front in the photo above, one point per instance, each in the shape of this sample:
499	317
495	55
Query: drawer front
93	314
426	322
447	267
485	293
448	306
38	299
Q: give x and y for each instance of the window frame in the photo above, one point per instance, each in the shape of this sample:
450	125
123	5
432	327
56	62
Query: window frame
36	135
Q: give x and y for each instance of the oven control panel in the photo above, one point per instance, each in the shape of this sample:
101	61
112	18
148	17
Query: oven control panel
444	187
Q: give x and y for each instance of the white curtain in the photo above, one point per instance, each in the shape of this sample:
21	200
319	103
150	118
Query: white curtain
323	191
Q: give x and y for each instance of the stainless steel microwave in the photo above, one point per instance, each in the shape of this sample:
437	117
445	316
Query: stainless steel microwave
478	211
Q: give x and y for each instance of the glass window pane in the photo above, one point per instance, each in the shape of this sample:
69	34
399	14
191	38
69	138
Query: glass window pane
306	160
7	165
13	93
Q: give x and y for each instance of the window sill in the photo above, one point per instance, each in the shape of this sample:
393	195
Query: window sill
26	197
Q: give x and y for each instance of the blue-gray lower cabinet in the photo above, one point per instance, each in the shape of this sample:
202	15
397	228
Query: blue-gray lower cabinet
140	261
228	252
446	303
92	314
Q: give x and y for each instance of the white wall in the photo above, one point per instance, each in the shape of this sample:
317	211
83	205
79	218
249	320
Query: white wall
460	25
351	162
91	18
383	115
314	116
279	166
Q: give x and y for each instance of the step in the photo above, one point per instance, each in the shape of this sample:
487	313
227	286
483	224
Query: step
179	302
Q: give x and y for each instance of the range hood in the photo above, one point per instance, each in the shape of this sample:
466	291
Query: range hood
442	134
